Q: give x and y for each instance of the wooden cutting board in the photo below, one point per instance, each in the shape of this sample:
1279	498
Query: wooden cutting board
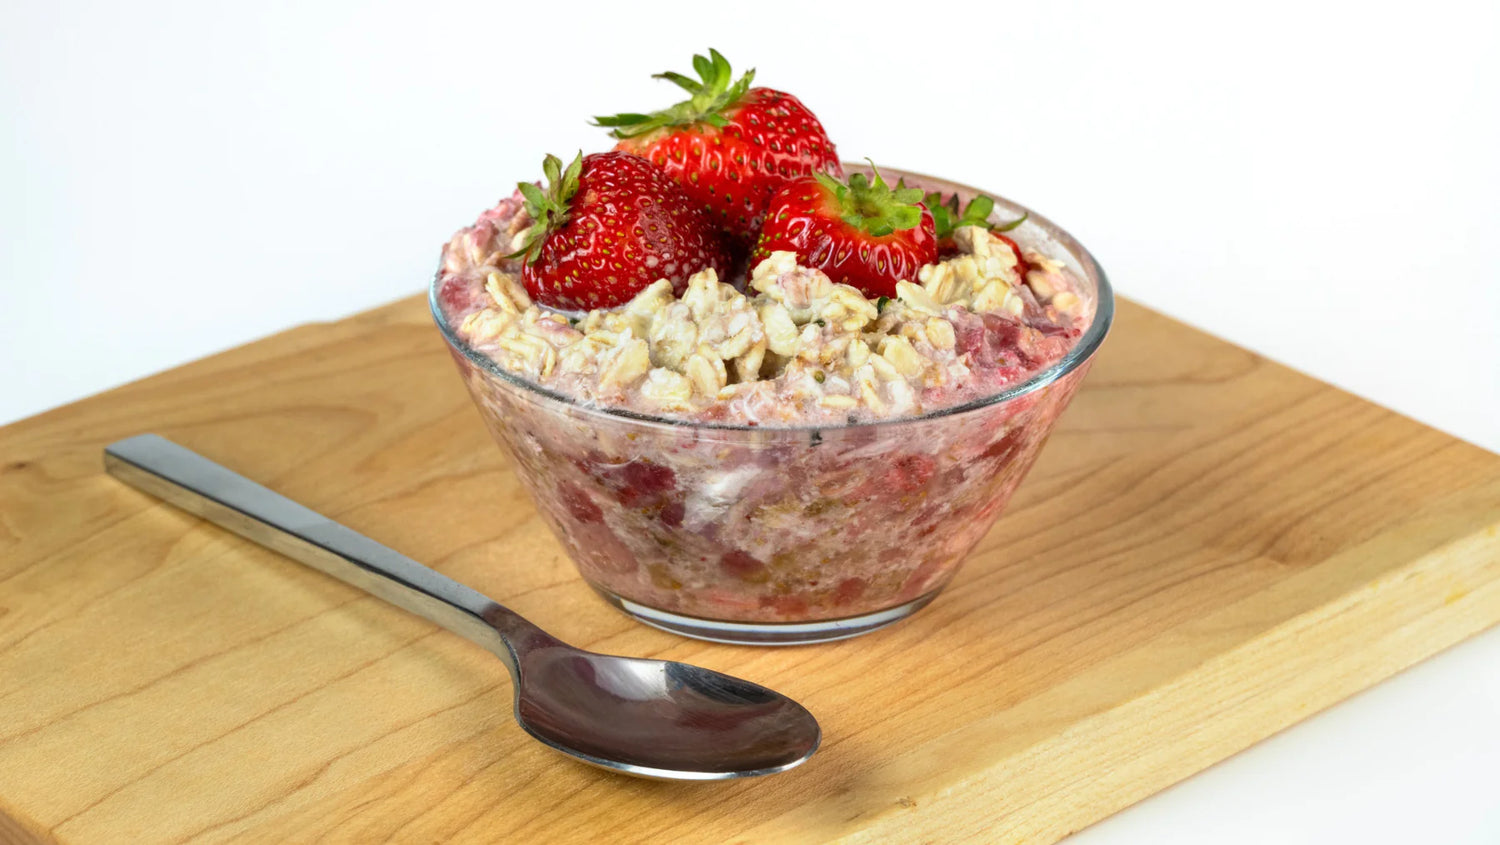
1211	548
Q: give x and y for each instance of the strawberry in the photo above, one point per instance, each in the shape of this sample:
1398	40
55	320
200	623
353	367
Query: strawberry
606	228
946	218
862	234
729	145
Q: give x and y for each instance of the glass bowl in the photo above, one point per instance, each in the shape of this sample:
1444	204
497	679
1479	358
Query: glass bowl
781	535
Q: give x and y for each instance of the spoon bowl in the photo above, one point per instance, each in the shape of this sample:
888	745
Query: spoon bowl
648	718
659	719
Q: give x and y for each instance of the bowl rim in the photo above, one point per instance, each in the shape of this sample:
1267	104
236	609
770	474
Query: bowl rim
1082	351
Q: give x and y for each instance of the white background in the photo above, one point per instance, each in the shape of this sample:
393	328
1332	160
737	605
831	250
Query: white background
1315	181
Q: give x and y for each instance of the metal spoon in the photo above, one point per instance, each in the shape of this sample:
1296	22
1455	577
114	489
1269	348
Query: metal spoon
650	718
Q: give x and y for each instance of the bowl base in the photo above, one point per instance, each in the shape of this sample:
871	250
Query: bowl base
766	633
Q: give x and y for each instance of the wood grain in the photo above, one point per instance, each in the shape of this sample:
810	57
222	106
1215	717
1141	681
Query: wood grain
1211	548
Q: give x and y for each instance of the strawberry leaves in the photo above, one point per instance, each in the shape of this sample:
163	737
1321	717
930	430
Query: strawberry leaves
873	207
548	208
947	217
714	91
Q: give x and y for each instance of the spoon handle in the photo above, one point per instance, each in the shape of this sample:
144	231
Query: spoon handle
199	486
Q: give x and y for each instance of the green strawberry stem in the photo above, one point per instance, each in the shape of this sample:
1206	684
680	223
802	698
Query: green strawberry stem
549	209
946	216
873	207
711	94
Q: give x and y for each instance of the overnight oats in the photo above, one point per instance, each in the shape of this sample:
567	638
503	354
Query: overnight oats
775	408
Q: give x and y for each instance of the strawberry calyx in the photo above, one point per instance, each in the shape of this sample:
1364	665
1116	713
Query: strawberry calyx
714	91
549	208
874	207
947	216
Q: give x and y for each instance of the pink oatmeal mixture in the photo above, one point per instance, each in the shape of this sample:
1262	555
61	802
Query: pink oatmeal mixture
803	516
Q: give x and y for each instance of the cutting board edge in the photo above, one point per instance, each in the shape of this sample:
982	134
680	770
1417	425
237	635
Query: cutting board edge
16	829
1288	696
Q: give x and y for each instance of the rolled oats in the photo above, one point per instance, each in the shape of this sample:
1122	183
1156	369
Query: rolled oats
859	353
794	339
980	280
1045	277
883	368
902	397
506	292
902	355
706	371
782	336
941	282
747	365
673	334
667	389
553	328
809	295
1066	302
485	325
529	353
1040	283
940	333
917	299
704	295
846	309
624	362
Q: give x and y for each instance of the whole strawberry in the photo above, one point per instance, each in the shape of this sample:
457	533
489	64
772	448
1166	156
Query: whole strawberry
730	146
606	228
861	233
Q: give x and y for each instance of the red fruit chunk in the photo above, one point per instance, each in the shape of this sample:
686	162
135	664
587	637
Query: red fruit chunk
647	478
1006	448
744	567
578	503
1002	335
968	336
672	513
454	296
637	483
991	341
849	590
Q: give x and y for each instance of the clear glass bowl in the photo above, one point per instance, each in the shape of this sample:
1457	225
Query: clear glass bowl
781	535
